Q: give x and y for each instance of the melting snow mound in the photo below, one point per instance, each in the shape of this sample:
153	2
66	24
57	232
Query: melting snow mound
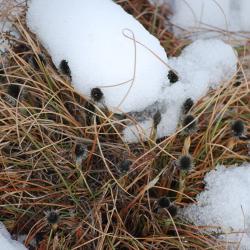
225	203
202	65
96	39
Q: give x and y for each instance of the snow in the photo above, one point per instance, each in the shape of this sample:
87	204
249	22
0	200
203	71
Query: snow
225	203
96	38
202	65
6	242
203	17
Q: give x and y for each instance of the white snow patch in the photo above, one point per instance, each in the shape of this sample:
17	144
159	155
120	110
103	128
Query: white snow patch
93	37
202	65
6	243
209	18
225	203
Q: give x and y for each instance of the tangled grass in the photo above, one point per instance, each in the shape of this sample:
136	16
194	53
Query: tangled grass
69	181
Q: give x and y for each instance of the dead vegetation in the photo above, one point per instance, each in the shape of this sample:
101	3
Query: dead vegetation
68	181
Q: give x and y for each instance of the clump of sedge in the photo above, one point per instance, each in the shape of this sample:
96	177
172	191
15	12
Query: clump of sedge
96	94
187	105
185	163
189	123
172	76
36	60
64	67
124	166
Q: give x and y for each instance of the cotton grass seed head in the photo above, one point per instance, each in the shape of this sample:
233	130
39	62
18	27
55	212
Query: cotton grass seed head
96	94
52	217
2	74
164	202
238	128
187	105
173	210
14	90
189	123
124	166
185	163
64	67
172	76
81	152
157	118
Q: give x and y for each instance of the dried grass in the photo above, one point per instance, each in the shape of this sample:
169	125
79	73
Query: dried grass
99	207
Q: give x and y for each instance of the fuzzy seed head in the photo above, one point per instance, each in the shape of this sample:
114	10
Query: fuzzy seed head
185	163
14	90
81	151
21	48
52	217
187	105
125	166
64	67
172	76
238	128
190	123
164	202
96	94
2	74
173	210
157	118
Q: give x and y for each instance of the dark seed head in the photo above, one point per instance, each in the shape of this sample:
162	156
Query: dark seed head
238	128
173	210
238	79
14	90
190	123
164	202
21	48
81	150
157	118
172	76
96	94
36	61
187	105
2	74
125	166
185	163
52	217
64	67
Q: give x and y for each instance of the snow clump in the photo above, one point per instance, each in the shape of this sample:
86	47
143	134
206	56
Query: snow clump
117	55
97	39
6	242
225	204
